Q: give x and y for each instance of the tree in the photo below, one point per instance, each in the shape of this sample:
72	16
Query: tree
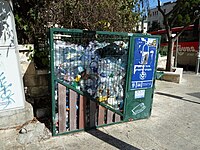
34	17
185	12
155	26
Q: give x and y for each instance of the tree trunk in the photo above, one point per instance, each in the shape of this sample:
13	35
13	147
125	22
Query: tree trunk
170	55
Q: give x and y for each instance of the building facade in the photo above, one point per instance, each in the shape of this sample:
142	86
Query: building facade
156	18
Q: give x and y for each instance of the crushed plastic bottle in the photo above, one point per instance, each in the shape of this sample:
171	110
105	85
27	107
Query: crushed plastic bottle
98	68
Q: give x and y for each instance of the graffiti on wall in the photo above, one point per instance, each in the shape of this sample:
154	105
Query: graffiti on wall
5	92
11	87
6	30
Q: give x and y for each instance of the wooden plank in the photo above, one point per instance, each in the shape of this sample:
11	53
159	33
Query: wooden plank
92	113
109	116
117	118
82	112
61	108
101	115
72	110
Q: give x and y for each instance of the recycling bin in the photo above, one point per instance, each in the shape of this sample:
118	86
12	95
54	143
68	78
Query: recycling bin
141	76
100	78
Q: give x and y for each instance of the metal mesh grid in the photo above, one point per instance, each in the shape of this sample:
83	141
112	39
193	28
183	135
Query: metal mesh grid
93	63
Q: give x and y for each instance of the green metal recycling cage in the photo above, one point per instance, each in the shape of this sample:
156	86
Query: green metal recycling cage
100	78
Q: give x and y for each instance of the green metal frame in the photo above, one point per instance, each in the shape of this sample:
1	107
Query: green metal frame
54	79
128	93
52	30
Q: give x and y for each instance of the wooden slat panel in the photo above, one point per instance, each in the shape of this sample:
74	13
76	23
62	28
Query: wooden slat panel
61	108
82	111
101	115
109	116
92	113
117	118
72	110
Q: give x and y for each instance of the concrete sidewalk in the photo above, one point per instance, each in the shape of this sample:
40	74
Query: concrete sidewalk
174	124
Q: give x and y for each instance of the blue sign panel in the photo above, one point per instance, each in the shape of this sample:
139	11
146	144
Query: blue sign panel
145	50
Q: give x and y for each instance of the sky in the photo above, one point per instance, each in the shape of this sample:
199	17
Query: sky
154	3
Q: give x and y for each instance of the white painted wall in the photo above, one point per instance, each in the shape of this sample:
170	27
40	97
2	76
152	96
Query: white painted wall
11	86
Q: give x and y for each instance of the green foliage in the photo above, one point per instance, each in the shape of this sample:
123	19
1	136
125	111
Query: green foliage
155	26
186	12
179	19
34	17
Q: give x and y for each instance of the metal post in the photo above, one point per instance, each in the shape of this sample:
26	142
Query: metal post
198	56
176	55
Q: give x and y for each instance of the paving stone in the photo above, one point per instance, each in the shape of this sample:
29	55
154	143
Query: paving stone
174	125
34	132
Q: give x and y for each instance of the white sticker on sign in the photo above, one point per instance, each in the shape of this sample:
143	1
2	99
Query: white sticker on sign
139	94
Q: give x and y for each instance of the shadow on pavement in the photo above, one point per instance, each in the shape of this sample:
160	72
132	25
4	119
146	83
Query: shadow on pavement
197	94
177	97
111	140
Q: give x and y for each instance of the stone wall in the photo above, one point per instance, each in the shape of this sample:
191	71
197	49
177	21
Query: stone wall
36	81
36	84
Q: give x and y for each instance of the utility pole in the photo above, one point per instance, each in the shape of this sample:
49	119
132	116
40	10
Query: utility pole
198	55
176	55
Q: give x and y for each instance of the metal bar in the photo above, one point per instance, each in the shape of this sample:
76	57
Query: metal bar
101	115
74	131
128	73
52	82
124	34
82	109
72	110
66	30
113	123
176	56
111	109
198	61
100	126
69	86
198	55
62	108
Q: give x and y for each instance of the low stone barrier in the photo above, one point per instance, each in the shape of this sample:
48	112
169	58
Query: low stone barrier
175	76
